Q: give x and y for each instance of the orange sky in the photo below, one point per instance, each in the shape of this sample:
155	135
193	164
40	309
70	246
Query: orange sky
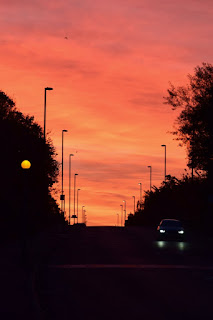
109	79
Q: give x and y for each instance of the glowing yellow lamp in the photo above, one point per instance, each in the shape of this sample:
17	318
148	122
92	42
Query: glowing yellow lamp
25	164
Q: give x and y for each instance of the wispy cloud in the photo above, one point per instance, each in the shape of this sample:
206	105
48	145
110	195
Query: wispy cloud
109	63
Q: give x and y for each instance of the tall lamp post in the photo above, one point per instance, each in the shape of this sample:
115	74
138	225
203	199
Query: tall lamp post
140	184
62	168
124	211
45	100
76	174
77	203
163	145
70	155
83	214
150	167
117	219
134	203
46	187
85	217
121	214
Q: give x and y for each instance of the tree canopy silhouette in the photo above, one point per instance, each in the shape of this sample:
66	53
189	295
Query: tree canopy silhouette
190	200
22	138
195	122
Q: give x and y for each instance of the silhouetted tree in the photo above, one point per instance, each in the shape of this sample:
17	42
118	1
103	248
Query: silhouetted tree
195	122
22	138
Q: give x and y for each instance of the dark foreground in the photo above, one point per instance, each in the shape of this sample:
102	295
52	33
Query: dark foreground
109	273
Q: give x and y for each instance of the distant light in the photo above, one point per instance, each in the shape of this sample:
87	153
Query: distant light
162	231
181	231
25	164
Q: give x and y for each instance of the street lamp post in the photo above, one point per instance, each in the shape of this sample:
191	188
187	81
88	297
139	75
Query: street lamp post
82	214
134	203
70	155
25	165
124	211
163	145
140	184
76	174
150	167
45	99
77	203
117	219
62	168
121	214
46	186
85	217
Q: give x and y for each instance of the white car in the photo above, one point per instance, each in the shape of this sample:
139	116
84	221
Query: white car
170	228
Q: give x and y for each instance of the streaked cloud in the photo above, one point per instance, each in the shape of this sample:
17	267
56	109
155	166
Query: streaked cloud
109	78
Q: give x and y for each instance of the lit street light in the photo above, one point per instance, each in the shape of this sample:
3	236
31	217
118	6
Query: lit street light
62	167
150	167
45	98
71	155
121	214
26	165
77	204
74	216
163	145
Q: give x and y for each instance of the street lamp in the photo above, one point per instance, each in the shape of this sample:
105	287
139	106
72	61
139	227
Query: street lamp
83	214
124	211
70	155
163	145
150	167
77	204
76	174
62	167
121	214
117	219
134	203
45	98
25	165
140	184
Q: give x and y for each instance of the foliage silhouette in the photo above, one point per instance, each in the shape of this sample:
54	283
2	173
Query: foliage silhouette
187	199
195	122
183	199
22	190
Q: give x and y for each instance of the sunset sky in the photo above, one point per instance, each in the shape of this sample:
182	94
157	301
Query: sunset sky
110	64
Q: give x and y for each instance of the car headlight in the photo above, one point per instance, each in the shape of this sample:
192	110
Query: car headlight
162	231
181	232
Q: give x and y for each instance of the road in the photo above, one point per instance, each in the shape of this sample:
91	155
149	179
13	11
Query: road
124	273
109	273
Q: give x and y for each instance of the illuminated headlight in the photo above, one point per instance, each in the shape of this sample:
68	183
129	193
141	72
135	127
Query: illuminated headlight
181	232
162	231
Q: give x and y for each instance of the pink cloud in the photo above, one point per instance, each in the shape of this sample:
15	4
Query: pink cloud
109	78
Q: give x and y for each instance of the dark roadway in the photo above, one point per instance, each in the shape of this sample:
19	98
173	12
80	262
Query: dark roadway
121	273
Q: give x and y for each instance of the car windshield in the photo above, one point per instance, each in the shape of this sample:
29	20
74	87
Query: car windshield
171	223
